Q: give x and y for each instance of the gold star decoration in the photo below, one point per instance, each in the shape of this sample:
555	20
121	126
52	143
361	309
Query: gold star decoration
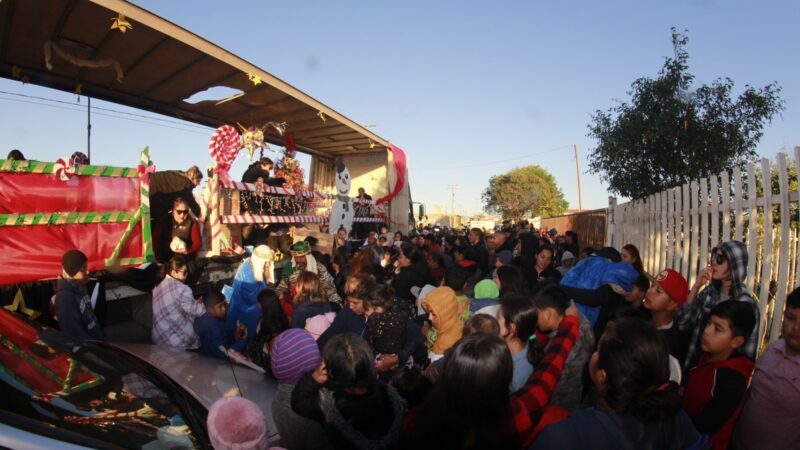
372	144
79	89
322	116
254	78
20	306
120	23
16	72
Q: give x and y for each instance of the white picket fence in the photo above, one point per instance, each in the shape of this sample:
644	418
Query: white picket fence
677	229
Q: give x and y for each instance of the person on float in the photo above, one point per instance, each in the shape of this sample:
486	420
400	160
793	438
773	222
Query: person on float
253	275
304	261
176	233
167	185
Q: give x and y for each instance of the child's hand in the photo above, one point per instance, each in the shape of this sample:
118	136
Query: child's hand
572	310
321	374
241	331
387	362
425	328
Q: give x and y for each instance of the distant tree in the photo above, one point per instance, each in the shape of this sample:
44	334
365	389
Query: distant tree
524	191
669	133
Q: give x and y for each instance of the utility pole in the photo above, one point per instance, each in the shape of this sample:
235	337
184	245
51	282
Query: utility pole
578	173
89	129
452	188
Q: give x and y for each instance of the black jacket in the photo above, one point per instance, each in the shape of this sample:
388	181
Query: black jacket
165	187
414	275
352	422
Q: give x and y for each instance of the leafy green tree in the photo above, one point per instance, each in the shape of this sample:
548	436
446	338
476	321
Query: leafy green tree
524	191
669	132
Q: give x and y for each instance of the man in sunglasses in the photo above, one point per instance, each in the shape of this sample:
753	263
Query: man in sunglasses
176	233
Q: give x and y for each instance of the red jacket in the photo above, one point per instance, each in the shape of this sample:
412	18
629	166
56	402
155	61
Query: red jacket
714	396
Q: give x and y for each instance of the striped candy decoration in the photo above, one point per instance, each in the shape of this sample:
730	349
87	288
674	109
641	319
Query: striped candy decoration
224	145
59	218
230	184
145	169
83	170
250	218
118	248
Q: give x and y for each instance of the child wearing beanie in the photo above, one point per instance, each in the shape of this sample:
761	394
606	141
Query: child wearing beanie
237	423
295	352
485	301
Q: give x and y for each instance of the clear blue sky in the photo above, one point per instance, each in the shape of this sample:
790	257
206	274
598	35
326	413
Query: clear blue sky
468	89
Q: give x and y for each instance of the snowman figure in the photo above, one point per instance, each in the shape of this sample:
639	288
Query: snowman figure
342	210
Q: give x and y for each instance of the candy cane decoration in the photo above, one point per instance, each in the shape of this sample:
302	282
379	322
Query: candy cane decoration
145	168
224	145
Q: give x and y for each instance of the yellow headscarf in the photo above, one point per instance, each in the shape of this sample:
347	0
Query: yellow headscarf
443	302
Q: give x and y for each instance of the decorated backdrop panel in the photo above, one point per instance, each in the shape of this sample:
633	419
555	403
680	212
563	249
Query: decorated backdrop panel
38	192
46	210
34	252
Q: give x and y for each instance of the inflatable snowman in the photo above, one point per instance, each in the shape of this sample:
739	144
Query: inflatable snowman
342	210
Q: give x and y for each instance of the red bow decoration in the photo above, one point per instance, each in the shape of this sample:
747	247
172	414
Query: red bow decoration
289	143
144	173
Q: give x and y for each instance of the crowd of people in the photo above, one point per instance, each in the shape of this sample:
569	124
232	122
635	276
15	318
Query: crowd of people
456	339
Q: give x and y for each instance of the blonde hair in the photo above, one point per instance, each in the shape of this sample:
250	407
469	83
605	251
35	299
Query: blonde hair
194	172
308	289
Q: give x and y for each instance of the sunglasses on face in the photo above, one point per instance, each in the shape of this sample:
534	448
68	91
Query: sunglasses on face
719	258
181	211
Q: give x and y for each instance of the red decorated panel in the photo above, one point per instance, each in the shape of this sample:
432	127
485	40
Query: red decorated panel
29	253
32	193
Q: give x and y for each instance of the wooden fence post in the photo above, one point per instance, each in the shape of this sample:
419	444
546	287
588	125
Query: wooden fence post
752	230
783	262
739	205
693	255
726	207
704	239
714	211
766	265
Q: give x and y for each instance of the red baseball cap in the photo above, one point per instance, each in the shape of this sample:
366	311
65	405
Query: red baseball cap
673	283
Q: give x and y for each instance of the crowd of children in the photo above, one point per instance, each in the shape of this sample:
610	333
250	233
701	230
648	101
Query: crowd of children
459	340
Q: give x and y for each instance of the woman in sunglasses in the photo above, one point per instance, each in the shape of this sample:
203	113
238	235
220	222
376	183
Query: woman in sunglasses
723	281
176	233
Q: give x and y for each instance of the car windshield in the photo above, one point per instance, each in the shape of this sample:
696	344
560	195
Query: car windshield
92	390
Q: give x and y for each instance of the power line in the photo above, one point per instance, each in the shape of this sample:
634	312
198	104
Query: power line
81	110
493	161
99	108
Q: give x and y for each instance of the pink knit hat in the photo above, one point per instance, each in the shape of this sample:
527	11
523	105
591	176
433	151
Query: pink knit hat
318	324
235	423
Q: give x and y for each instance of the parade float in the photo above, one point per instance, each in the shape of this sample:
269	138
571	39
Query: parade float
116	51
